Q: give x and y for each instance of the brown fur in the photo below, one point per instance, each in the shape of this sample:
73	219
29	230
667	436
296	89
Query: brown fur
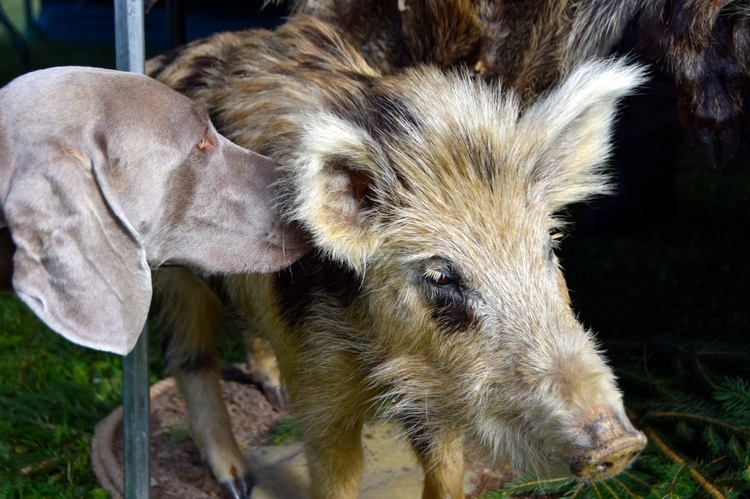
433	293
527	46
530	45
706	46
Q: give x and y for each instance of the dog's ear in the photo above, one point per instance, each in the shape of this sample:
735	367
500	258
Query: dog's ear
78	263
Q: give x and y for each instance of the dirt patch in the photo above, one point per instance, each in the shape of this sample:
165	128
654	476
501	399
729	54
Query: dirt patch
176	466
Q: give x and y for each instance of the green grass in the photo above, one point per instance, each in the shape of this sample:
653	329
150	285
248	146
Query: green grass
52	393
663	300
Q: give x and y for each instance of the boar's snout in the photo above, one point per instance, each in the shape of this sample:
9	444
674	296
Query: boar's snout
614	445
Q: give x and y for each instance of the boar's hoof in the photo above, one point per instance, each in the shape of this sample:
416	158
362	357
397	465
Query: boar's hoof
239	488
609	458
277	396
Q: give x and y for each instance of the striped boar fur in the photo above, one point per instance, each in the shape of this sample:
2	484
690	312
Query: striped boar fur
530	45
433	203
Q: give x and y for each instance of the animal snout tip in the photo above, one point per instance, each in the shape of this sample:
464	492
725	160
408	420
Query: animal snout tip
609	458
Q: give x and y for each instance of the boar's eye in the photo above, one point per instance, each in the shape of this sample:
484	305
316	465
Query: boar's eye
444	292
441	278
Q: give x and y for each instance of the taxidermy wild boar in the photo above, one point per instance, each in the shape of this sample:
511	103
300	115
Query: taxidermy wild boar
432	202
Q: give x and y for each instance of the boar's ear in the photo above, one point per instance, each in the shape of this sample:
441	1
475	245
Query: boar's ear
571	129
336	187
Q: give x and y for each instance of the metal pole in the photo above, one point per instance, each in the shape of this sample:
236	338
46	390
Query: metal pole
135	420
131	56
130	44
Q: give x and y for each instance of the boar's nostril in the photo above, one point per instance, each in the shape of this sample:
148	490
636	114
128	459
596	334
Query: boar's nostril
608	458
605	467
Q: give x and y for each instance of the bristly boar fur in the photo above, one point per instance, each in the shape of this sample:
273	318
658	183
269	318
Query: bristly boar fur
530	45
433	292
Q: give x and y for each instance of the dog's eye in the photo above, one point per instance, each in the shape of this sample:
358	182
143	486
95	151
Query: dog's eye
205	144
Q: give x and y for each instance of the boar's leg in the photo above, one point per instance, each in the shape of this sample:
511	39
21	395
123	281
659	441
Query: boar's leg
210	429
442	459
330	401
336	460
261	363
188	317
334	454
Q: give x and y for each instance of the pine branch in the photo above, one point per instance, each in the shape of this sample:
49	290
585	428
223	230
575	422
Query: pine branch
701	418
742	457
672	456
706	376
528	483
